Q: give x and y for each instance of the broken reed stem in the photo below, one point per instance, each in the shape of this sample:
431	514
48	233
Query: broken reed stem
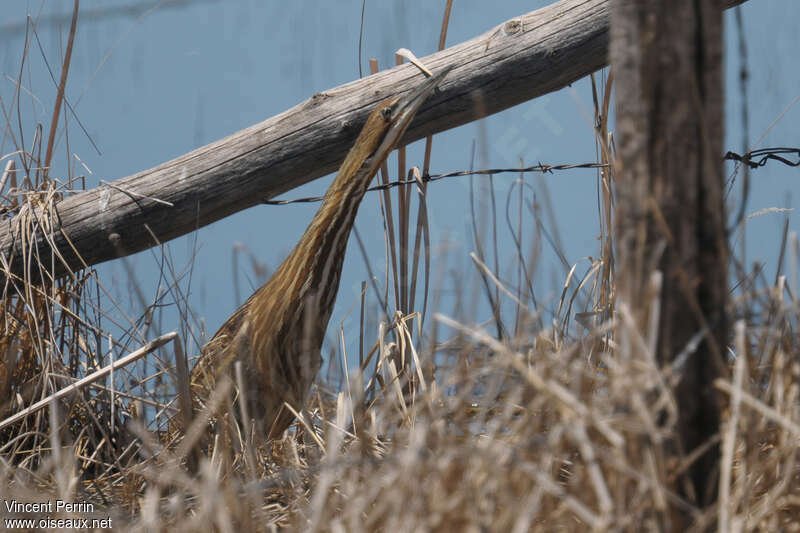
61	86
138	354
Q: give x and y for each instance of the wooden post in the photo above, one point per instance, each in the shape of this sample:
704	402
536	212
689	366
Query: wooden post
667	60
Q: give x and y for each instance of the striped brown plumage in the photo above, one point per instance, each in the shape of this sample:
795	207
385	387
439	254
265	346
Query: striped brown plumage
278	332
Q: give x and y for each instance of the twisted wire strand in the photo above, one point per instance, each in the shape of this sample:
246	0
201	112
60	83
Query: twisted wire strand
753	159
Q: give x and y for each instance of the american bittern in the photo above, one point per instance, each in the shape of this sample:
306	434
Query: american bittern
278	332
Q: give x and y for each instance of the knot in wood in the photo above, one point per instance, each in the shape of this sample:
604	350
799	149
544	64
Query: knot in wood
512	27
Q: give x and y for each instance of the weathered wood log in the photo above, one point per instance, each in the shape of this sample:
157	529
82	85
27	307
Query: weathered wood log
516	61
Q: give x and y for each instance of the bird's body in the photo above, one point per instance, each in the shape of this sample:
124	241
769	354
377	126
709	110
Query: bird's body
277	334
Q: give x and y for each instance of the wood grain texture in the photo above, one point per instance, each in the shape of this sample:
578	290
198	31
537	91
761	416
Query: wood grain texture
525	57
670	217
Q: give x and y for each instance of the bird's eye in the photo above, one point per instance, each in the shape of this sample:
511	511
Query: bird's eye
387	112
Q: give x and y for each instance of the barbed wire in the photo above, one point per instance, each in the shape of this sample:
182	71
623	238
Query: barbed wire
753	159
435	177
765	154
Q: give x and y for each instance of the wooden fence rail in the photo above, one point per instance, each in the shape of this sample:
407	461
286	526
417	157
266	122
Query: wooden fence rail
526	57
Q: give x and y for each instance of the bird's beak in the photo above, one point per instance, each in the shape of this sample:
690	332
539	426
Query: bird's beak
405	108
408	104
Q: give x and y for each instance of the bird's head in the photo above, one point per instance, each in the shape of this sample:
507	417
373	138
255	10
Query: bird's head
398	113
381	134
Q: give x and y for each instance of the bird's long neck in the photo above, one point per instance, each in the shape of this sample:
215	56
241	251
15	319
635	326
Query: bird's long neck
314	266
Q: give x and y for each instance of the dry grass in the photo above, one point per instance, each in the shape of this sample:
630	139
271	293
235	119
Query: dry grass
515	434
502	426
